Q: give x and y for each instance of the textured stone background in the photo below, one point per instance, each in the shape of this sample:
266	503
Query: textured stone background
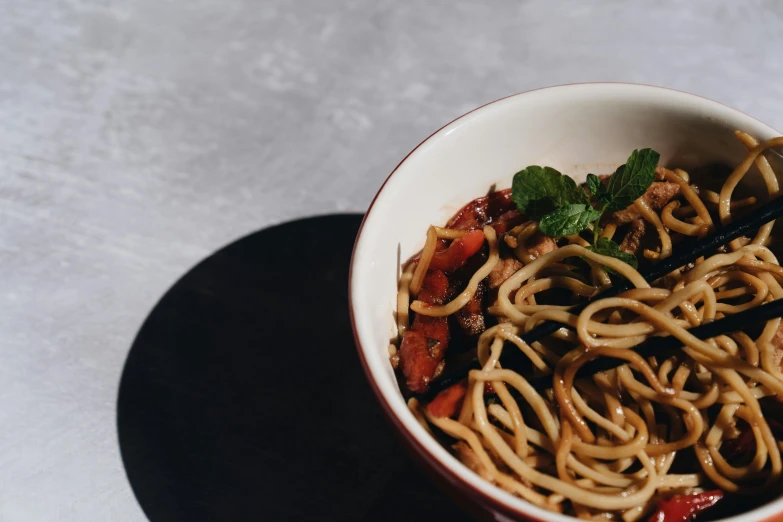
137	137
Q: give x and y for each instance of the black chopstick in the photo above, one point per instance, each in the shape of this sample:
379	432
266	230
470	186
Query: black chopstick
669	345
688	250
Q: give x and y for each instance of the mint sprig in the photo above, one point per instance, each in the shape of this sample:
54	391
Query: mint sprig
594	185
563	208
537	191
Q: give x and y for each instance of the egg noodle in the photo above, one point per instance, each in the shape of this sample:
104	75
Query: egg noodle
604	447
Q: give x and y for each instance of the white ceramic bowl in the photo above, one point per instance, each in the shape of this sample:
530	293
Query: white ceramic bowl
573	128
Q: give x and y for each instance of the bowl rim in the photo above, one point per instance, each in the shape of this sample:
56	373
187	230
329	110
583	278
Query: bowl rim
515	506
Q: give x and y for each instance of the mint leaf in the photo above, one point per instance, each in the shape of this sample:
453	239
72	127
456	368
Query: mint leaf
538	191
598	190
567	220
607	247
595	186
572	193
631	181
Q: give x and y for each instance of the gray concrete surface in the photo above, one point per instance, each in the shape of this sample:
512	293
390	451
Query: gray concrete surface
137	137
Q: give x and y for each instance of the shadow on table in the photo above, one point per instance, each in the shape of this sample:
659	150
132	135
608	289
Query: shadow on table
243	399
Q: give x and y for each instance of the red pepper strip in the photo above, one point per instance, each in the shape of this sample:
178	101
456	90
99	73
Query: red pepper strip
424	345
440	246
683	508
436	328
458	252
508	221
449	401
745	445
416	361
434	291
434	288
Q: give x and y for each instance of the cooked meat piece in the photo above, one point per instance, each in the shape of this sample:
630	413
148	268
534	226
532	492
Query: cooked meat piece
482	211
777	343
660	193
508	221
468	457
540	244
498	203
633	237
657	196
471	217
504	269
660	173
624	216
470	316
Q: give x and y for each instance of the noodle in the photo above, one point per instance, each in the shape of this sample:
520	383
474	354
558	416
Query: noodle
610	446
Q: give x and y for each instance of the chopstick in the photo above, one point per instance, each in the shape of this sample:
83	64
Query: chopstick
688	250
669	345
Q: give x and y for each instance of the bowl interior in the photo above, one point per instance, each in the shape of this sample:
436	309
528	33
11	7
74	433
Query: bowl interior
576	129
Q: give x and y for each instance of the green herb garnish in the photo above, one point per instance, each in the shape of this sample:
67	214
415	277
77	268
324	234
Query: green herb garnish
537	191
563	208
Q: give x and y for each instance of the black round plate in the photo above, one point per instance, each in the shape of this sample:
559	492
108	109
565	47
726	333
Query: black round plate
242	397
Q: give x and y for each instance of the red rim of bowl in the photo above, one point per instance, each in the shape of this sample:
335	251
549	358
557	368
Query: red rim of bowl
418	449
